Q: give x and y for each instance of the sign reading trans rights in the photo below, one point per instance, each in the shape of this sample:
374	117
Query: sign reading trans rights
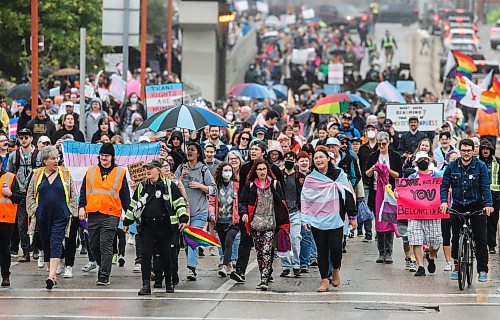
163	96
430	115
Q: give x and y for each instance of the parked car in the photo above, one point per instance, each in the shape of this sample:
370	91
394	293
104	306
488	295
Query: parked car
404	12
495	35
346	15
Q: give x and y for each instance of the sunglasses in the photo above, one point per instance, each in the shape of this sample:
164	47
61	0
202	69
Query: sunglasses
383	144
245	139
24	137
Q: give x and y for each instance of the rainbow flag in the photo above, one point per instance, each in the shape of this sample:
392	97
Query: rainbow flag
195	237
459	90
490	100
465	64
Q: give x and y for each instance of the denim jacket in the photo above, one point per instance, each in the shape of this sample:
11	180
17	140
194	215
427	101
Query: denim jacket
469	186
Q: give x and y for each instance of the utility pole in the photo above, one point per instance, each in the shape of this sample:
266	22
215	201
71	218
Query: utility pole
83	49
126	19
144	25
169	36
34	57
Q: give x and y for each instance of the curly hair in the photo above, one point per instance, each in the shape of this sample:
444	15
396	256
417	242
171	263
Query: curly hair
252	175
218	174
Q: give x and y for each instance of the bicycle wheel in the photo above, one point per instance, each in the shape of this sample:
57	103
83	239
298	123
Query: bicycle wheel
470	265
463	254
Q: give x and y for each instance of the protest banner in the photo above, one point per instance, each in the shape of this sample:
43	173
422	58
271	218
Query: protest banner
137	171
405	86
262	7
118	88
335	73
54	92
307	13
419	199
241	5
430	115
162	96
13	127
79	156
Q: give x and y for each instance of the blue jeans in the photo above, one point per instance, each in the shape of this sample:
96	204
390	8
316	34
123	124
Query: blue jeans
236	245
295	237
308	249
197	221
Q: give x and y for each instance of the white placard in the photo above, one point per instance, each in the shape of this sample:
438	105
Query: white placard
89	91
241	5
118	88
287	19
302	56
54	92
307	13
111	61
430	115
262	7
335	73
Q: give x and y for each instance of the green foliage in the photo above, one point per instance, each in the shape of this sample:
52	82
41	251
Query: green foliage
59	22
157	17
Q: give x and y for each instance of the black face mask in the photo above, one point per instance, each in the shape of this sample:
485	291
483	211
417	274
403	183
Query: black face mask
289	165
423	165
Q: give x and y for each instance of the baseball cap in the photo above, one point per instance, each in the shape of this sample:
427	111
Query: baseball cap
342	137
356	139
369	125
332	141
381	114
420	155
347	116
154	164
388	122
260	130
44	139
144	139
413	118
25	132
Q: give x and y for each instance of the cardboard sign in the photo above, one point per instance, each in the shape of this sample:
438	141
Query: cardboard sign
137	171
419	199
287	19
430	115
118	87
89	92
335	73
307	13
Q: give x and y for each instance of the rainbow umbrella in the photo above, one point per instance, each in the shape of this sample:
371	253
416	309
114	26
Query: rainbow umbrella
195	237
336	103
252	90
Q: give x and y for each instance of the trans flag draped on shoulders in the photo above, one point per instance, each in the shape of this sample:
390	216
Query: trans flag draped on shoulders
320	200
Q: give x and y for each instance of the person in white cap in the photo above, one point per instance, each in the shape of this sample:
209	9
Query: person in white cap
427	231
43	142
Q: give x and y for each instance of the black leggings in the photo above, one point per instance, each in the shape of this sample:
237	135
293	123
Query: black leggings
446	231
69	248
5	234
329	244
119	242
159	232
227	233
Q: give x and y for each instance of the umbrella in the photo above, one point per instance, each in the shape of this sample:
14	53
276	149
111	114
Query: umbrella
281	91
273	21
185	117
331	104
252	90
23	91
368	87
358	101
316	22
66	72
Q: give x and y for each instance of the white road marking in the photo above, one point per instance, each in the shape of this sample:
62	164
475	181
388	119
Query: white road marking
229	284
55	316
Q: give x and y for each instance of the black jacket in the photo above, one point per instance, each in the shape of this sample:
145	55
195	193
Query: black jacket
395	164
409	142
40	128
77	134
299	183
245	169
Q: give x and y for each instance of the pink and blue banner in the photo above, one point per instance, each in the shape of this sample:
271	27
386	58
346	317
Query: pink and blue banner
79	156
13	127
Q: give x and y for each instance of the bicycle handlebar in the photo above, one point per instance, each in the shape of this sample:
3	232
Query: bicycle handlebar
466	214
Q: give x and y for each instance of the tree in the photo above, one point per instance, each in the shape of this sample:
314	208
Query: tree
59	22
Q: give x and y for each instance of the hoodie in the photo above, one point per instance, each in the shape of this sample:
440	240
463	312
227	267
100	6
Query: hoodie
493	165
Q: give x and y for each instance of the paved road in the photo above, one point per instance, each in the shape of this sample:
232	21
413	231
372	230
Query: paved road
368	291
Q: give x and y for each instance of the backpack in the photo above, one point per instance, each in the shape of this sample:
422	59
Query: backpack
34	155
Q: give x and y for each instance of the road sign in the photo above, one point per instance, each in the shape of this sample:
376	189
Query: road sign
113	16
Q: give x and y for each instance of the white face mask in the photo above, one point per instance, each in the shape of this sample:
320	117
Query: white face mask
227	175
229	117
370	134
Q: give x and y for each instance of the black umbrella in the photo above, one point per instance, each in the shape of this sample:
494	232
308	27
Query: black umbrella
23	91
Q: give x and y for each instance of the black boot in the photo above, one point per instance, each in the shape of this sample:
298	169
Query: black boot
169	287
380	247
158	281
389	242
145	290
25	258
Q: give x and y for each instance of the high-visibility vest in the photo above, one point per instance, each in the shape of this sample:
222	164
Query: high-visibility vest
495	183
65	178
7	208
374	7
104	196
487	123
389	42
372	46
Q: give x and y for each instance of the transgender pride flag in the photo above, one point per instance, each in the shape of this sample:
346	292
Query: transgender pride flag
79	156
13	127
387	91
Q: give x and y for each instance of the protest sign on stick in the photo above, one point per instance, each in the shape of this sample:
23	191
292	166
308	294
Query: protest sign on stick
419	199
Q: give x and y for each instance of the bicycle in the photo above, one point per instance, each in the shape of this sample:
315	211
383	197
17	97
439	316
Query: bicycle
466	248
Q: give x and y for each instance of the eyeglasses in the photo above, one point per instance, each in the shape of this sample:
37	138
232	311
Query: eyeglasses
383	144
24	137
233	159
46	143
467	151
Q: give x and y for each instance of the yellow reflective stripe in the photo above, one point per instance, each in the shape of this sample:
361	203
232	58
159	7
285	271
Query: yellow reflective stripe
5	200
91	179
113	192
65	183
495	184
38	179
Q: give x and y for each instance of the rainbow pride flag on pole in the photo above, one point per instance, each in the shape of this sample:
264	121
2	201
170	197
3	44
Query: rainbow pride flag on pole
465	64
195	238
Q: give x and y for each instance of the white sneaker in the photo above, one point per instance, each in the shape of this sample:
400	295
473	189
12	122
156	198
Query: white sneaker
448	266
89	266
137	268
212	251
60	269
131	240
68	272
413	266
41	262
223	271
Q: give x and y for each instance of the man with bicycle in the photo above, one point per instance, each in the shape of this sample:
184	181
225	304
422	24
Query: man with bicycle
470	191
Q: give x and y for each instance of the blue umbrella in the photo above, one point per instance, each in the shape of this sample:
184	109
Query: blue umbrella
252	90
185	117
357	99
